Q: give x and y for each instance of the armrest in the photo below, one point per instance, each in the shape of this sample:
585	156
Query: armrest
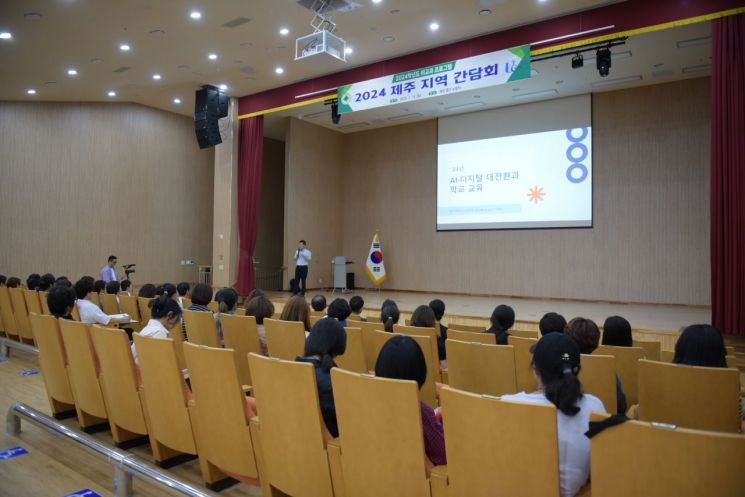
438	481
333	451
247	389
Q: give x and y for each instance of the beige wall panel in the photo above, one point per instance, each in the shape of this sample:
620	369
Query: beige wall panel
650	242
270	238
81	181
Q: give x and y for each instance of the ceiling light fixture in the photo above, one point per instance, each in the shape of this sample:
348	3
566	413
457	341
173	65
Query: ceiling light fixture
389	39
156	76
212	56
279	70
484	12
223	87
195	14
376	1
176	101
111	93
603	61
348	50
124	47
31	91
284	31
5	35
578	61
434	26
72	72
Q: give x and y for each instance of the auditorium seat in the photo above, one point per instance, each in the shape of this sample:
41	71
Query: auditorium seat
33	302
75	313
627	365
219	417
368	340
523	363
164	397
143	305
53	363
200	328
667	355
110	304
83	371
128	305
597	375
496	447
284	339
466	327
96	299
480	368
374	319
353	358
652	349
43	300
242	337
314	320
317	313
689	396
20	314
289	431
381	444
427	332
428	391
470	336
214	306
118	380
648	460
6	308
240	311
532	334
186	302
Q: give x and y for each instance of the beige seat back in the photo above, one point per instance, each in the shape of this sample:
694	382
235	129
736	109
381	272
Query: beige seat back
426	332
43	300
651	349
6	309
200	328
314	320
627	365
368	340
525	333
143	305
689	396
523	363
659	461
480	368
96	298
471	336
217	411
428	391
285	339
242	336
109	304
53	362
597	375
82	369
33	302
466	327
119	383
382	448
214	306
667	355
128	305
353	358
20	313
291	426
163	395
496	447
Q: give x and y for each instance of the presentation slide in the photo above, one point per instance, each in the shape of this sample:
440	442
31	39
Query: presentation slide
539	179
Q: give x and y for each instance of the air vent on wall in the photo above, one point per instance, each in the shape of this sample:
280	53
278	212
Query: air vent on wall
354	126
317	114
403	117
238	21
122	69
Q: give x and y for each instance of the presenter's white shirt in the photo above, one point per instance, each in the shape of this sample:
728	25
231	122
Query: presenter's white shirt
108	274
574	446
153	329
303	257
90	313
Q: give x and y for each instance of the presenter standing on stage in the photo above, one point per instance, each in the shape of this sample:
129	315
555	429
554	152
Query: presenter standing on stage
302	258
108	273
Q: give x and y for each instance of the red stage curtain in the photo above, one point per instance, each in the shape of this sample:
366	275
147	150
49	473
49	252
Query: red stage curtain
250	155
728	175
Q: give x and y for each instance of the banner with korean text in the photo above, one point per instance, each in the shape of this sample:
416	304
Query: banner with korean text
461	75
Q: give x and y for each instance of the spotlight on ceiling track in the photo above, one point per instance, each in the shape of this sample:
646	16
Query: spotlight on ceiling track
603	61
578	61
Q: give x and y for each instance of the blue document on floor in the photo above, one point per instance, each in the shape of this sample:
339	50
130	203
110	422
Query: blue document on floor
86	492
12	452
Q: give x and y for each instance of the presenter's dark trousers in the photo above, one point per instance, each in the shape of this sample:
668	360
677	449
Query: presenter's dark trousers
301	274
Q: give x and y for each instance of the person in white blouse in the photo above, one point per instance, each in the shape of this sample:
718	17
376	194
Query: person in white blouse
108	272
90	313
165	315
302	257
556	363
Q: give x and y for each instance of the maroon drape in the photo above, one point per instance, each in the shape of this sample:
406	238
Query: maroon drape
728	175
250	155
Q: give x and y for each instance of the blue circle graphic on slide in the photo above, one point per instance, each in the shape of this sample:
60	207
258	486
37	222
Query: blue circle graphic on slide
576	162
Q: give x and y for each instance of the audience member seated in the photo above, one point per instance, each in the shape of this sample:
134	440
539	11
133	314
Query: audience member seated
113	287
43	285
126	284
502	319
13	282
182	289
438	307
401	358
617	332
552	322
3	280
61	300
256	292
296	309
587	335
147	291
99	286
90	313
260	308
48	278
556	363
32	282
327	339
318	303
201	296
165	315
227	300
63	281
389	315
356	304
339	309
170	290
159	290
700	345
424	317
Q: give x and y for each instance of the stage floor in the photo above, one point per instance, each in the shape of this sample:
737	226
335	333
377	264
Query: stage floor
644	316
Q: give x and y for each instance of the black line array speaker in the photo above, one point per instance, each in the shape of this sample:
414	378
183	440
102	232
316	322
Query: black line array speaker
209	106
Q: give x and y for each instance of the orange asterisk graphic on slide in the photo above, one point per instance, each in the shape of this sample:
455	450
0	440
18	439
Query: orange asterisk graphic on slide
536	194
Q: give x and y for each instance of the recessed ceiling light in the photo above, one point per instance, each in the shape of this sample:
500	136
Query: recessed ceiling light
212	56
72	72
96	60
195	14
157	32
376	1
434	26
279	70
394	11
484	12
176	101
388	39
111	93
223	87
348	50
477	96
32	15
156	76
31	91
5	35
124	48
284	31
50	83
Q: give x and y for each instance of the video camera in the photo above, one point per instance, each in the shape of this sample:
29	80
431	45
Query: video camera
128	269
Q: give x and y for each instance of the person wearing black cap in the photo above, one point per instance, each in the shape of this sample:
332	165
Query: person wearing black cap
556	363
